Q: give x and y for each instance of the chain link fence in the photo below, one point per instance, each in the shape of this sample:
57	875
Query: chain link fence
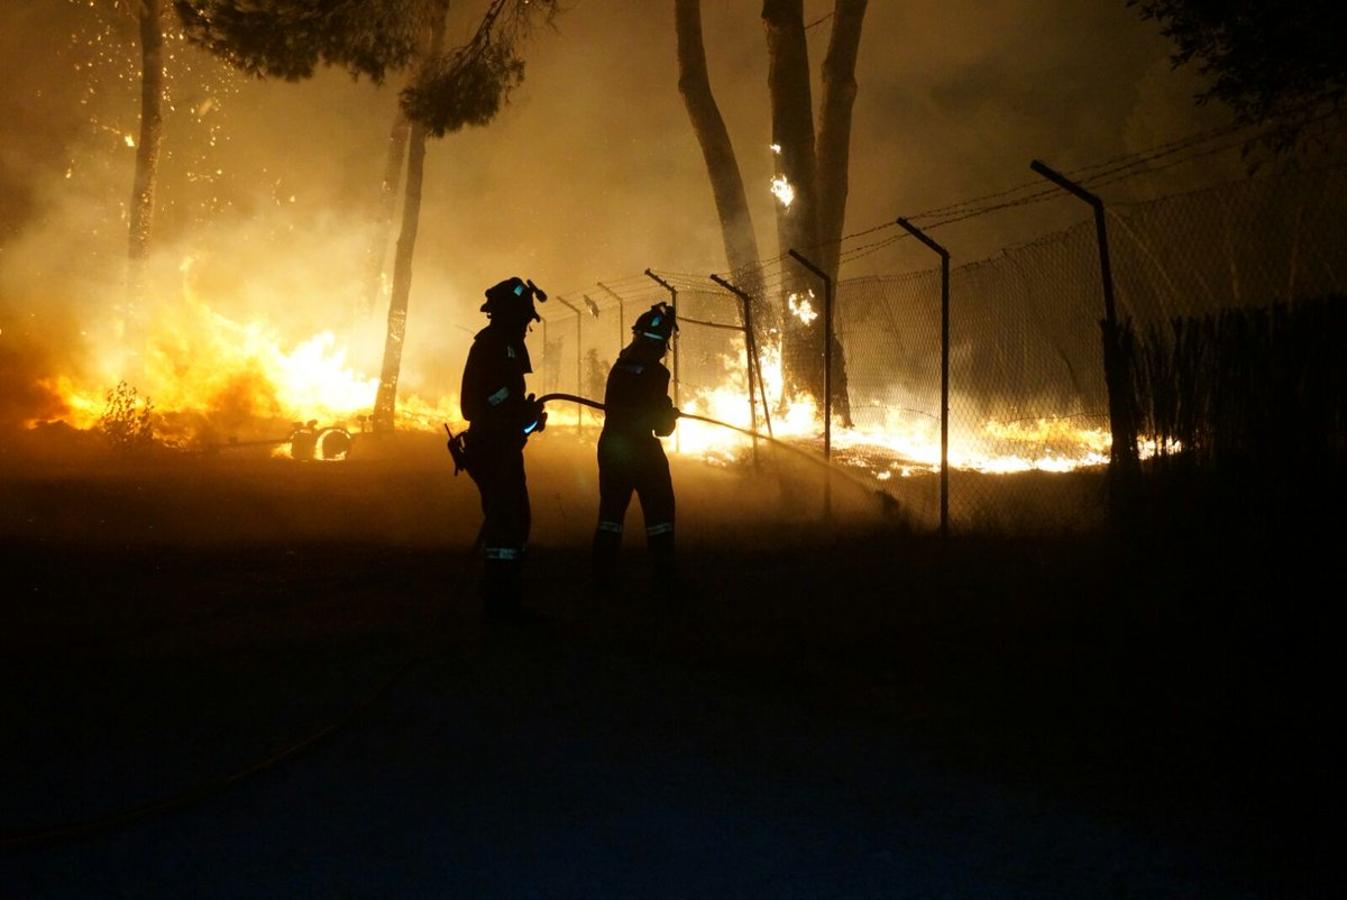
1029	428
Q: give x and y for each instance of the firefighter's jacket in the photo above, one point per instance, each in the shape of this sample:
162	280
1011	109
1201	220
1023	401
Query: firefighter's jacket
492	396
636	401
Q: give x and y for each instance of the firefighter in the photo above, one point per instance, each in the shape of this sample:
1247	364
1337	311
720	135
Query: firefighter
637	408
501	417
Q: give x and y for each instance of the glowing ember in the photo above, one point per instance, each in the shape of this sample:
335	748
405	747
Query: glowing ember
801	307
783	190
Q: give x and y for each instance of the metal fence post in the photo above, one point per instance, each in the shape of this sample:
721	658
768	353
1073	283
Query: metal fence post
544	357
754	367
1124	466
827	370
673	302
594	311
944	370
579	388
621	315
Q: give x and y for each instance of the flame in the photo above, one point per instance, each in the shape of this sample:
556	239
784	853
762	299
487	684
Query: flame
901	443
801	307
211	376
782	189
207	372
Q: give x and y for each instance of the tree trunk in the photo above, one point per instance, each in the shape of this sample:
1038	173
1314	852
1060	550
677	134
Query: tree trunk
722	166
727	184
387	207
147	150
796	224
385	401
834	130
834	160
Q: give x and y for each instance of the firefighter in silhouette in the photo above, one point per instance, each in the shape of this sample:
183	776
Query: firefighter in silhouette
501	417
631	458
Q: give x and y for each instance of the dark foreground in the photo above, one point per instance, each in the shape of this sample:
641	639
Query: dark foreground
841	711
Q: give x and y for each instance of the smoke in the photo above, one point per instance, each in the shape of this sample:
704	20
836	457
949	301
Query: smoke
26	397
592	172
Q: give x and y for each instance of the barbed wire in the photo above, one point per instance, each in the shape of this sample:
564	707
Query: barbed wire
772	272
1127	159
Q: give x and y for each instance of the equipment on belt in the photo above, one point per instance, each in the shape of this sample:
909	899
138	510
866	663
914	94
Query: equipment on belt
458	448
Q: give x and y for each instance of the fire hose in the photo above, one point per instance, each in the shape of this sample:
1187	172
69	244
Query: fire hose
776	442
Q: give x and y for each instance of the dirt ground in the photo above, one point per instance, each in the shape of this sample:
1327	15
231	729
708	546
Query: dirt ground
825	708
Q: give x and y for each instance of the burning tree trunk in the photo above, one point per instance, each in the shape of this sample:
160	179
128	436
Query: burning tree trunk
388	203
796	221
147	150
727	184
813	195
386	400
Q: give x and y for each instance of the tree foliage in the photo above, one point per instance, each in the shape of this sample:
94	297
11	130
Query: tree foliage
1269	62
469	84
466	85
290	38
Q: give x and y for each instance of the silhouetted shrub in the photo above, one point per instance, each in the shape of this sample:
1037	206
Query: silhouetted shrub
127	422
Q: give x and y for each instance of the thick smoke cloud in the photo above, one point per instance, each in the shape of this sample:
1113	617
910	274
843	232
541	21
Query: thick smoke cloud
593	172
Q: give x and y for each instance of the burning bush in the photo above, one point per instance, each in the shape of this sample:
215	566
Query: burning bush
127	422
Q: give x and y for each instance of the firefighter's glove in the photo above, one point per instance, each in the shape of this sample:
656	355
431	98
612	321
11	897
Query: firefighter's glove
535	416
667	421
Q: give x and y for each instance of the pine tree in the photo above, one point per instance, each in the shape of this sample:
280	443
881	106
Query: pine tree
448	90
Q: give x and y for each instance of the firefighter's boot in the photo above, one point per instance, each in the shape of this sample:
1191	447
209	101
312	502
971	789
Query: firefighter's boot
502	590
607	549
664	564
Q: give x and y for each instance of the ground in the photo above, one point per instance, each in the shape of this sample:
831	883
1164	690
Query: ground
826	708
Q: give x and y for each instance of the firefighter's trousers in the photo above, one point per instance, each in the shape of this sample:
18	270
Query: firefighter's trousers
499	474
637	463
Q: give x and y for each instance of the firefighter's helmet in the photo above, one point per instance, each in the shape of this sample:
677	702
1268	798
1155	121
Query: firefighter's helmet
514	296
656	324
